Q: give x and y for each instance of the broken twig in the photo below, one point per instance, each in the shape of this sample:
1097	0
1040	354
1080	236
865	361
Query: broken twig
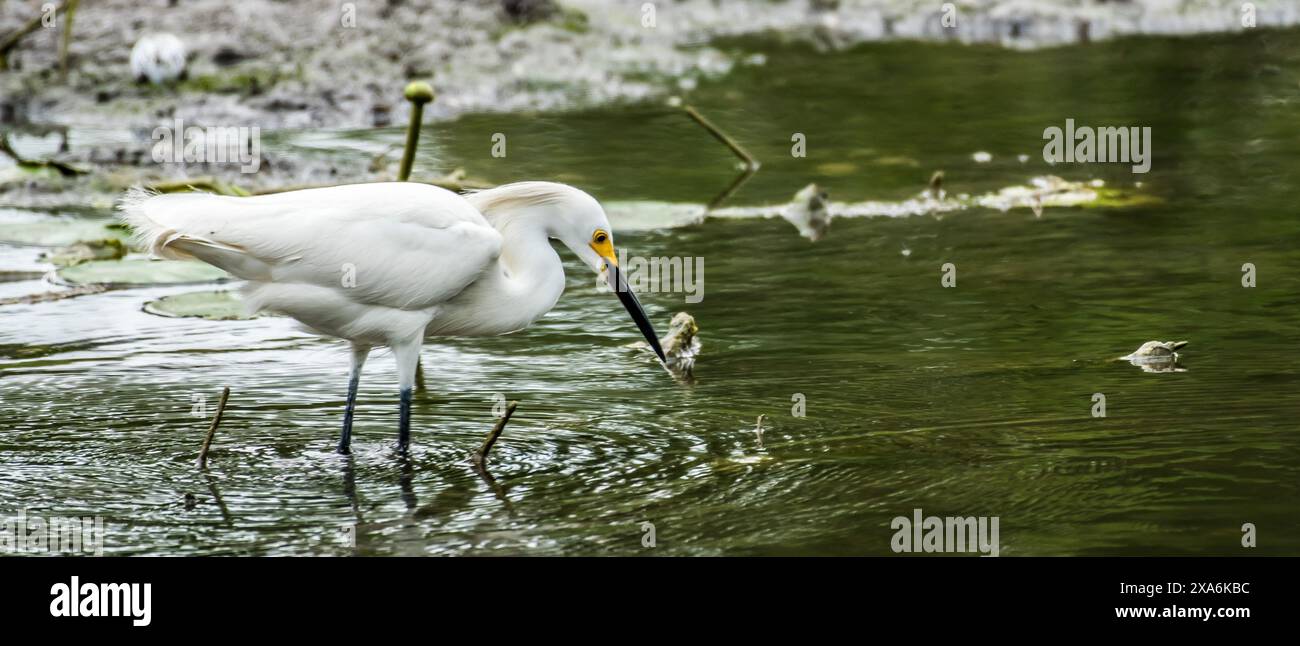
718	134
480	456
212	430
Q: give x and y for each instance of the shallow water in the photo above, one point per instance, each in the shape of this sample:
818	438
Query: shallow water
973	400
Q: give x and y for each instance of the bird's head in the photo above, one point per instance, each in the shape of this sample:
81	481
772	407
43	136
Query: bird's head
578	221
584	229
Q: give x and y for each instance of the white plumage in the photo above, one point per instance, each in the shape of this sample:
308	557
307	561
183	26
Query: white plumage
389	263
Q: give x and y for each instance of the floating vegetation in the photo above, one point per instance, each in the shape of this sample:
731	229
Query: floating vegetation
1052	191
213	306
138	272
1042	192
59	233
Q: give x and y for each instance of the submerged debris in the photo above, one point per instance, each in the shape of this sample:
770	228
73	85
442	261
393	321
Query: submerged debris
681	345
1157	356
809	212
936	186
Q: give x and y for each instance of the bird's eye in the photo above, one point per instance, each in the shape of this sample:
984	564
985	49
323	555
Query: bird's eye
600	237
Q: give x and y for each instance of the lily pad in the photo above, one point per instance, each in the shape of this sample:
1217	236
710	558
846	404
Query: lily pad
213	306
139	272
59	233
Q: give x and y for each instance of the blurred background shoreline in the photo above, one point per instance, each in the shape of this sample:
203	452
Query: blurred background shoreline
306	65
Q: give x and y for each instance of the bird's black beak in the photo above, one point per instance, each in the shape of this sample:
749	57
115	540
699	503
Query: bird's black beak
614	276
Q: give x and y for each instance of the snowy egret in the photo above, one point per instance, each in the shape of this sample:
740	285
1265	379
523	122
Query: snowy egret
158	58
388	264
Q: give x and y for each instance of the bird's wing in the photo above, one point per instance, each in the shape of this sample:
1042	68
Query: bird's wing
397	244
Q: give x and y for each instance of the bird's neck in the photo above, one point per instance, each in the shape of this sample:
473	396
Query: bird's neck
530	268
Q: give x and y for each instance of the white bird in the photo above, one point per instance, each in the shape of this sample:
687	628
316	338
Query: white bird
158	58
388	264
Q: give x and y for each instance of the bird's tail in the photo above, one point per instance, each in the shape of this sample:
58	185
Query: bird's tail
189	226
147	233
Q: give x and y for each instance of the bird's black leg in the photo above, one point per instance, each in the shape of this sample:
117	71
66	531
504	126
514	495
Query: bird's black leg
407	353
359	354
404	422
345	441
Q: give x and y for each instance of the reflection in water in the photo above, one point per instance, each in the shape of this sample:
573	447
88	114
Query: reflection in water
216	497
350	487
497	490
742	177
1157	356
408	492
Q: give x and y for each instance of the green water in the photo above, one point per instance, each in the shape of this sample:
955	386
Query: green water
973	401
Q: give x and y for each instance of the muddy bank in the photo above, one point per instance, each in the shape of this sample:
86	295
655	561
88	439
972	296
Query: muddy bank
313	64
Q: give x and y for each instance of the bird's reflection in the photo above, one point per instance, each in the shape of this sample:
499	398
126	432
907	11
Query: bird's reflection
457	496
407	475
350	486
